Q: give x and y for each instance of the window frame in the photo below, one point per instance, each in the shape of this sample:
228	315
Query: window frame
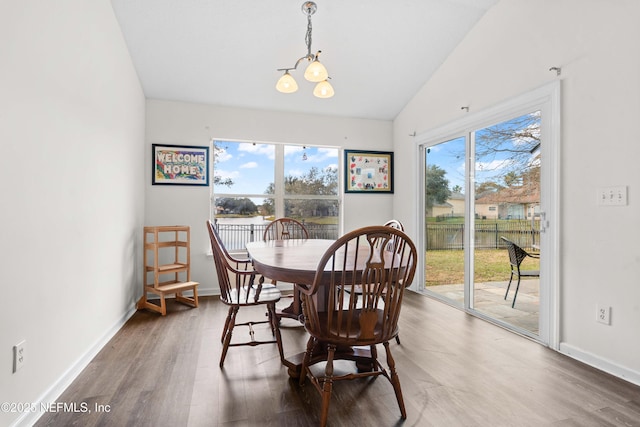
279	196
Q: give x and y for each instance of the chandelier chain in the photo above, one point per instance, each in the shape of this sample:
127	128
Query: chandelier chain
307	37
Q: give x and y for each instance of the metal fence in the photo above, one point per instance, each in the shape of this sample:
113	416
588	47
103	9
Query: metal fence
440	236
236	236
487	235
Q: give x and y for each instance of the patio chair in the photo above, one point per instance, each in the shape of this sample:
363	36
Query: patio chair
516	256
338	326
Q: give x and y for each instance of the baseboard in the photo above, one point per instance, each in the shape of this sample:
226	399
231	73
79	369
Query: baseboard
58	387
600	363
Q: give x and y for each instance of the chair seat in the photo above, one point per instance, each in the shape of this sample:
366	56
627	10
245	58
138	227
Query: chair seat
530	273
268	293
350	328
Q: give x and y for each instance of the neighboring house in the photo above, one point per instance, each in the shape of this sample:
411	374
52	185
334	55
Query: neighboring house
454	206
521	202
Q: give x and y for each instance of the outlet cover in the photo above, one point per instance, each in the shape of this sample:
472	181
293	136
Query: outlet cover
19	355
603	314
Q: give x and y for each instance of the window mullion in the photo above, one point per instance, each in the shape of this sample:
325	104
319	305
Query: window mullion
279	181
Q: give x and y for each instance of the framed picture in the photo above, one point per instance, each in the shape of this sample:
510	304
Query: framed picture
180	164
368	171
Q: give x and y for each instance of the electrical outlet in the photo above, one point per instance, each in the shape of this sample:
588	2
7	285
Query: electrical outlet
604	314
19	355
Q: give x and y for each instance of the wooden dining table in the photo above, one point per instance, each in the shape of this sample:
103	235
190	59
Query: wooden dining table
296	261
292	261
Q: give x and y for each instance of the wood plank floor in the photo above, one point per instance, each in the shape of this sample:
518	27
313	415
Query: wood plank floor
455	370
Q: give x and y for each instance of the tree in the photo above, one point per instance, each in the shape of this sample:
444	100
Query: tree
512	179
487	187
238	206
437	186
217	179
316	182
518	138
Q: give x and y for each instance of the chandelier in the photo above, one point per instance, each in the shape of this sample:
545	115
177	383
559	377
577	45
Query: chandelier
315	72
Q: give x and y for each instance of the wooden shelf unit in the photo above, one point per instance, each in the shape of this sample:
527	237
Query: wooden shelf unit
159	242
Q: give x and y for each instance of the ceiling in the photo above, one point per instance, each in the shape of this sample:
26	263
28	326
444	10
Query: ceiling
227	52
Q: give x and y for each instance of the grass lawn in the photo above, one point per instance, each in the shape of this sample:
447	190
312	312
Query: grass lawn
491	265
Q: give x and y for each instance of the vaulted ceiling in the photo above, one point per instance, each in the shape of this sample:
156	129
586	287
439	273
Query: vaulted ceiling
227	52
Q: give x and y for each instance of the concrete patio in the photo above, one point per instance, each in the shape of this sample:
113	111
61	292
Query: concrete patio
489	300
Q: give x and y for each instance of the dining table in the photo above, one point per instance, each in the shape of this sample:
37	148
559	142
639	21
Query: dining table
292	261
296	261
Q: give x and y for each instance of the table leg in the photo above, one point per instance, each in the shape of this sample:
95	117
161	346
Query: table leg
294	310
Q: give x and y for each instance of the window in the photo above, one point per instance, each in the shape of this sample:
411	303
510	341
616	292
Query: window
254	183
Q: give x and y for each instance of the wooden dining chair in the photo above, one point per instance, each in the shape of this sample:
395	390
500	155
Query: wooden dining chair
238	288
285	228
516	256
393	223
282	229
335	320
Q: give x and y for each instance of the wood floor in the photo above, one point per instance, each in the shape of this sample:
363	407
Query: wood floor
455	370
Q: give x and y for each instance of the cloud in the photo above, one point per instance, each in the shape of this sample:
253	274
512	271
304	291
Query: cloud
223	174
258	149
222	155
249	165
314	154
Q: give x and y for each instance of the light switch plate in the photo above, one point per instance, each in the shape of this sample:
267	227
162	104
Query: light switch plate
613	196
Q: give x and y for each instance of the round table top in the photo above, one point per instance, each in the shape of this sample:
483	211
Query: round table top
292	260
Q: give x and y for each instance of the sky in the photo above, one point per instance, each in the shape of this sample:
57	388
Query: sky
450	156
251	165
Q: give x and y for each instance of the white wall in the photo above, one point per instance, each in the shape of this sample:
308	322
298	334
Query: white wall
72	139
510	52
196	124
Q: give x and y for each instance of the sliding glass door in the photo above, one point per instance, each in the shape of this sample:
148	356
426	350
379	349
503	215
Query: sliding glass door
488	198
445	213
506	221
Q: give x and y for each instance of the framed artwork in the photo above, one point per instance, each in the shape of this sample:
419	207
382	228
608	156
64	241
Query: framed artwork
180	165
368	171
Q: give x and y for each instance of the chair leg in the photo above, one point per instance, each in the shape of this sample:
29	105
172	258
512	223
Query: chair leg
516	294
229	332
306	359
508	286
327	385
395	381
398	339
226	324
275	328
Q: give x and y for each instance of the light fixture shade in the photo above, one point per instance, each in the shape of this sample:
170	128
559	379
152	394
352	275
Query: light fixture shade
316	72
323	90
287	84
